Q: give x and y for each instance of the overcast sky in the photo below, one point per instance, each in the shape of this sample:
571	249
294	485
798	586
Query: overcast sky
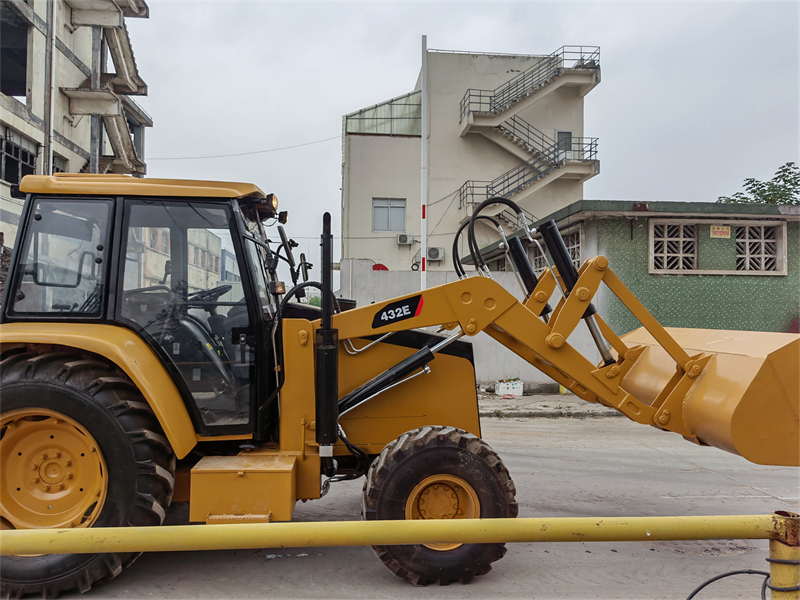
695	97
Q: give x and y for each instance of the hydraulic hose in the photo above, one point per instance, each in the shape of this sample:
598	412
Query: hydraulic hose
460	271
476	255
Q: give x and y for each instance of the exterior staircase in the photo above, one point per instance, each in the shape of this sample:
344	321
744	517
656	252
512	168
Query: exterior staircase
569	65
547	160
493	114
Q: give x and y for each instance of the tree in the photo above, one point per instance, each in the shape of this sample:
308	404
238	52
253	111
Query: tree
315	301
783	189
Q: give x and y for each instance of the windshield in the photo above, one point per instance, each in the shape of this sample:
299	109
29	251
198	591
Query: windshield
252	223
254	230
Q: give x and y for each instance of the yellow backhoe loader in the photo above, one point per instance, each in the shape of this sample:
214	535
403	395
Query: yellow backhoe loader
149	354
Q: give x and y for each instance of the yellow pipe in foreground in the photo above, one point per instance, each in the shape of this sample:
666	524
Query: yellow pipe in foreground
784	570
370	533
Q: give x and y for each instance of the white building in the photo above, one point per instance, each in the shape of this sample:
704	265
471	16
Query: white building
499	125
64	106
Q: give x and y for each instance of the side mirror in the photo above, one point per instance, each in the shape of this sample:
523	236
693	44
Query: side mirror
286	246
167	271
304	266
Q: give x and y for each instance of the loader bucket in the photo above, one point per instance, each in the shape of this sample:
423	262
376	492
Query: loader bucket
745	401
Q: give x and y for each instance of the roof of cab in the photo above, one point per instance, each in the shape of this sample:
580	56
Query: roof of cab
125	185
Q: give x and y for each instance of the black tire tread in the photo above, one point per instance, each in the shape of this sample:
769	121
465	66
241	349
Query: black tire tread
114	392
395	452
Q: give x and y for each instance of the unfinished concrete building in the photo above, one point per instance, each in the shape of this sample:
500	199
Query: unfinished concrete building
64	106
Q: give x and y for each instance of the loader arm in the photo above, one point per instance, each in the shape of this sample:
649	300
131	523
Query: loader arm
733	390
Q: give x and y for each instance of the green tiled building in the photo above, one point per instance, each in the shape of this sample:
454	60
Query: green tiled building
692	264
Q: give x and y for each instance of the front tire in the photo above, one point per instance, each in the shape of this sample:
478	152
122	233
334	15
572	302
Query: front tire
438	473
79	447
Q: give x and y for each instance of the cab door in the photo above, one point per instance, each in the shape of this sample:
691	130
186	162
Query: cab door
184	289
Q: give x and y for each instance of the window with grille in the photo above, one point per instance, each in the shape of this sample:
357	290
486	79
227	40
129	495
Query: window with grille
674	247
537	259
17	156
572	240
728	247
756	248
60	164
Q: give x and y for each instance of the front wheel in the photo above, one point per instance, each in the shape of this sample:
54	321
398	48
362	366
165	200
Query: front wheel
79	447
438	473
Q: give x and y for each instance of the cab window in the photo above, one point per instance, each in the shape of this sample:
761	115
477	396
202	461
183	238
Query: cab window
183	285
64	262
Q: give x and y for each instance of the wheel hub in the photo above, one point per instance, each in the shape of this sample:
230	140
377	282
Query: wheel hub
438	501
53	475
443	496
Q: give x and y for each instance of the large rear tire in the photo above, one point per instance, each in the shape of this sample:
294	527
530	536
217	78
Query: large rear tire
438	473
79	447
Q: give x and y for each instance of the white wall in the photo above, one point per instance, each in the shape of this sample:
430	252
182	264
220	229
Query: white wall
366	177
492	360
386	166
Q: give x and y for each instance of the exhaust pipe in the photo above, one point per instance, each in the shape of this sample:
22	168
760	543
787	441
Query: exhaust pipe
327	350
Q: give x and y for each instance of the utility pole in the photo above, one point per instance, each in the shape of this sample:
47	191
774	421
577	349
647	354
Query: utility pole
424	169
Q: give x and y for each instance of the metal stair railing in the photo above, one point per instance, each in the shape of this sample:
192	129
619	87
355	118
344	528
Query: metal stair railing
551	66
524	175
529	172
510	217
536	140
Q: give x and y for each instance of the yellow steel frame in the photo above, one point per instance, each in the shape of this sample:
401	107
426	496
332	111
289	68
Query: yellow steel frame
131	354
480	304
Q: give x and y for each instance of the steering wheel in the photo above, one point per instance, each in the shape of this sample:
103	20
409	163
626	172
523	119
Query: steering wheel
209	295
147	290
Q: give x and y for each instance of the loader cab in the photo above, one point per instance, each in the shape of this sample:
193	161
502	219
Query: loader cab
191	275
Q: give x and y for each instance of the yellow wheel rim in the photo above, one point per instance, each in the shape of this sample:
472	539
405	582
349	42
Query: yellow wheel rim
443	497
53	474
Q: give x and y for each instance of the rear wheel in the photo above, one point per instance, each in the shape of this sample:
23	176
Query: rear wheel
438	473
79	447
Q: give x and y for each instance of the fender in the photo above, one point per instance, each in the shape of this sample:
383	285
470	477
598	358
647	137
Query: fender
131	354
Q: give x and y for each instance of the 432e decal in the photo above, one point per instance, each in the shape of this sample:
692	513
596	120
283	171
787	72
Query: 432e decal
398	311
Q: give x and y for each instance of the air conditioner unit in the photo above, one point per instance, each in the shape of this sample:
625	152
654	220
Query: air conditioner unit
405	239
435	254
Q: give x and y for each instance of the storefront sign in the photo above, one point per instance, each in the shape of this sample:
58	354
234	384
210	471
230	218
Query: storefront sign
720	231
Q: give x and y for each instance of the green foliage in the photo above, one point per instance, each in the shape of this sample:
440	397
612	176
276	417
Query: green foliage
784	188
315	301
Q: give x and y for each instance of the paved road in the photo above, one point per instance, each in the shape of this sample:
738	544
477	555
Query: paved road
562	467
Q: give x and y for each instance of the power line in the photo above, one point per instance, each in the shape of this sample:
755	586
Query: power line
445	211
441	199
244	153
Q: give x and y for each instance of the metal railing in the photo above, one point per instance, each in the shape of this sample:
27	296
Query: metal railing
472	192
510	217
497	100
545	161
524	175
527	133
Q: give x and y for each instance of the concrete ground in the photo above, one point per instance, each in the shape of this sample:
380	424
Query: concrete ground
541	405
562	467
